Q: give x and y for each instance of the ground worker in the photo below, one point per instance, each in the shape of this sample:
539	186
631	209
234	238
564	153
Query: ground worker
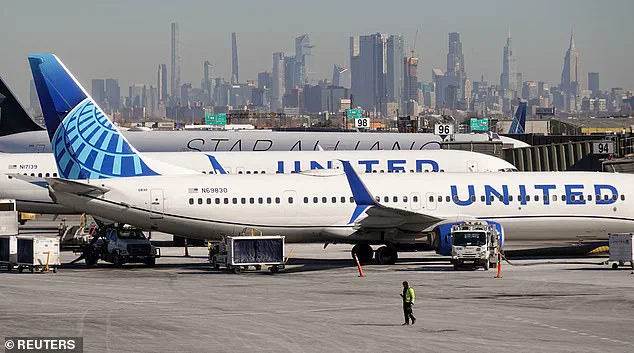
408	301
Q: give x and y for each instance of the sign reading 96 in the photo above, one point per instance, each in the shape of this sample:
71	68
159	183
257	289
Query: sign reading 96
443	129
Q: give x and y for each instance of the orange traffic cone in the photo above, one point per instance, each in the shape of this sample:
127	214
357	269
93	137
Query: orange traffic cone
359	266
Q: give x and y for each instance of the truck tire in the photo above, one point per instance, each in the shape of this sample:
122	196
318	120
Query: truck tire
486	265
90	260
274	269
150	261
615	266
116	259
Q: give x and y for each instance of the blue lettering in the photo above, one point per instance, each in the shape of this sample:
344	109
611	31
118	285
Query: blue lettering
329	164
600	200
297	167
280	167
368	165
490	191
420	162
574	197
545	188
523	195
391	165
456	198
315	165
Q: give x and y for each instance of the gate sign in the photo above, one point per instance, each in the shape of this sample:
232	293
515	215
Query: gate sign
443	129
479	124
362	123
216	119
603	147
354	114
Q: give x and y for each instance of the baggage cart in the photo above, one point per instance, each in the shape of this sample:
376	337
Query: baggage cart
621	249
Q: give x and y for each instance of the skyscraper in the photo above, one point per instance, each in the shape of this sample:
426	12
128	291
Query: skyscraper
456	73
340	76
368	60
277	91
206	82
234	60
509	80
395	73
570	77
302	51
161	82
175	74
410	81
265	80
98	91
593	83
113	95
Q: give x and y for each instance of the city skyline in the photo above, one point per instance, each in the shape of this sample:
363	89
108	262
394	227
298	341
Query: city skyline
482	45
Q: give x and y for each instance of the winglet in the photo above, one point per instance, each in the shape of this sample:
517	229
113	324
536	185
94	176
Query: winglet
362	196
216	165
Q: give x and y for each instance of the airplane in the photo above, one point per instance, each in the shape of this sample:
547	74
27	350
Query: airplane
393	210
19	134
33	196
518	125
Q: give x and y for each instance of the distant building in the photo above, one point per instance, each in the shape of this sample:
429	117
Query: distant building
184	94
456	74
206	83
340	76
289	73
98	91
161	82
136	96
277	91
113	95
529	90
235	79
265	80
570	78
302	52
510	80
175	74
410	81
593	83
438	78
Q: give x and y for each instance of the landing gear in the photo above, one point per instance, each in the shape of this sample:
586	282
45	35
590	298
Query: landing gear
364	252
386	256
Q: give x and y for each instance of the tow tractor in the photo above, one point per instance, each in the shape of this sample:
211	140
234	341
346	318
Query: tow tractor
119	245
474	244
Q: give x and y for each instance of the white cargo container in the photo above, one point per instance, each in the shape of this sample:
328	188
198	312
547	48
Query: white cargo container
30	252
621	249
8	218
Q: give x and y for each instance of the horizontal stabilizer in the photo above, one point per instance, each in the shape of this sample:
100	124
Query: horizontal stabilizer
75	187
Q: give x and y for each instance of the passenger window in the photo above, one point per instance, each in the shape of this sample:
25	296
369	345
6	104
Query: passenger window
431	199
614	197
277	200
455	198
32	174
39	175
268	200
510	198
261	200
252	200
605	197
563	197
324	199
243	200
590	197
404	198
209	201
491	198
482	198
351	199
378	198
47	175
248	172
415	198
334	199
234	200
55	175
343	199
315	199
386	199
191	201
447	198
554	197
255	172
439	198
290	200
473	198
519	198
528	197
395	198
226	200
305	199
581	197
217	201
200	201
536	197
622	197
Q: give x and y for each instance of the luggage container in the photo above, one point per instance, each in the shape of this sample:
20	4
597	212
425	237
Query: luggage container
32	253
8	218
621	249
237	253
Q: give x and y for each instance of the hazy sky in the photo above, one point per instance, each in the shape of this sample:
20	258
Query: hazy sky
126	39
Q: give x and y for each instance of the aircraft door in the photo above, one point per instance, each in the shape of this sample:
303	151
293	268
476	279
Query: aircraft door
431	200
156	203
414	201
472	166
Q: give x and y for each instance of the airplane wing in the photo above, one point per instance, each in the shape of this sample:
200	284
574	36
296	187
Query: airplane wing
381	217
75	187
38	181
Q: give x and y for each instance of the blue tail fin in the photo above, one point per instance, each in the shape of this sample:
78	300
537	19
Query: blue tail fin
85	143
518	125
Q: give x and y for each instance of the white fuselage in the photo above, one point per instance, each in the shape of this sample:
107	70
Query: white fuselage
33	198
309	208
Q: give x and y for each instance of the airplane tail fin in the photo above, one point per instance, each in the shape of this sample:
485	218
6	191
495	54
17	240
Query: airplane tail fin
86	144
13	117
518	125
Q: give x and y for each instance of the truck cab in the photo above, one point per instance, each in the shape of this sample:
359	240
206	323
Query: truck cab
127	244
474	244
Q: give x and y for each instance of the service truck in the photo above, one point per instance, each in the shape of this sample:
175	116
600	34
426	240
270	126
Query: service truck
474	244
120	245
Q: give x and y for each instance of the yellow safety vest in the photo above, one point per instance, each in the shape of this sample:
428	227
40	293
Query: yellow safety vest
409	295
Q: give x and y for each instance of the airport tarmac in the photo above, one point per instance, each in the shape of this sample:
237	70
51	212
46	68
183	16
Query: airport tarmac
319	304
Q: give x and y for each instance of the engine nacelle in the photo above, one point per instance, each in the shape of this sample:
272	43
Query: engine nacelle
442	240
